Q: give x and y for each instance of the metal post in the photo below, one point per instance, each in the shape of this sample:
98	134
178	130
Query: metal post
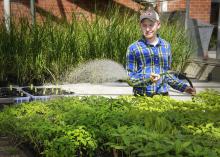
32	4
187	14
218	41
7	10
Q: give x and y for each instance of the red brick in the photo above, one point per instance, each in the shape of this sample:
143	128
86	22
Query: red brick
199	9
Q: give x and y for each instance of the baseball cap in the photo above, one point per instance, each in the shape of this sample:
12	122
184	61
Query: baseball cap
149	14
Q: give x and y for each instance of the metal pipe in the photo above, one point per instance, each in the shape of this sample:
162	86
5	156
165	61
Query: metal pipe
187	14
218	41
32	6
7	10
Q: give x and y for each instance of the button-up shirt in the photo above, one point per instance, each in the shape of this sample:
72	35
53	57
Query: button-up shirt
144	59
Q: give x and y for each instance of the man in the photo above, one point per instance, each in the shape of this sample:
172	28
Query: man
149	57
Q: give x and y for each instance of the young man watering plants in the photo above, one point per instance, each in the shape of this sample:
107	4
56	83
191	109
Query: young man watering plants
149	57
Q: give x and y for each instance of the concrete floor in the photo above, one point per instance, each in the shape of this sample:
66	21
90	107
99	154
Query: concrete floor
116	89
212	54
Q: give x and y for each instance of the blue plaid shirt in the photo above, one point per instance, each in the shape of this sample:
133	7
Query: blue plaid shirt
144	59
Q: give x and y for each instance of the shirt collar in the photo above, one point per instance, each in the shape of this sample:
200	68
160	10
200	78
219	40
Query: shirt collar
160	42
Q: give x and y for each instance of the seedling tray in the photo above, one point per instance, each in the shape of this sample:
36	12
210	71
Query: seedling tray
46	93
12	95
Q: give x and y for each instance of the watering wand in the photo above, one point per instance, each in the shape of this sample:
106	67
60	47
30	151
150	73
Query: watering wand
148	80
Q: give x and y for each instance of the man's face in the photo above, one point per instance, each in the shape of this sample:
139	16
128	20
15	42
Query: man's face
149	28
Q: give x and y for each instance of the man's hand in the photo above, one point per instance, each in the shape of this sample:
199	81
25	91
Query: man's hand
154	77
190	90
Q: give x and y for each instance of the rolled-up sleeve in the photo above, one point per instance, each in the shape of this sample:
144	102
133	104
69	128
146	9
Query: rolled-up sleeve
175	83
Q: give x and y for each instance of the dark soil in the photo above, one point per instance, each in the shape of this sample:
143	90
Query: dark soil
7	92
7	149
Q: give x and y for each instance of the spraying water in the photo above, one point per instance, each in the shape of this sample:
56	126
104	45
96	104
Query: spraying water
97	71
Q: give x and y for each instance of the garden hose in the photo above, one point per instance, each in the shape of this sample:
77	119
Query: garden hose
148	80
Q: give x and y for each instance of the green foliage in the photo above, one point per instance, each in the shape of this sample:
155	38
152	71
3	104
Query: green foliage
181	45
72	142
128	126
205	97
48	50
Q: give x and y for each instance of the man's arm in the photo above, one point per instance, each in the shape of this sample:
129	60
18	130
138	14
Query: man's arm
174	82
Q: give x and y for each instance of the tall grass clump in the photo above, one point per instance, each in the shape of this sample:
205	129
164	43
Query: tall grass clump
108	36
181	44
35	54
49	49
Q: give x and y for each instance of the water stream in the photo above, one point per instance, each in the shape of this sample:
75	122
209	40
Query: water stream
97	71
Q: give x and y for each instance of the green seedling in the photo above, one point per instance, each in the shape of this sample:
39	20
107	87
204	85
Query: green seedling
10	87
31	87
44	91
133	126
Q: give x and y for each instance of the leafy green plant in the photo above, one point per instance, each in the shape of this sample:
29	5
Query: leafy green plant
127	126
72	142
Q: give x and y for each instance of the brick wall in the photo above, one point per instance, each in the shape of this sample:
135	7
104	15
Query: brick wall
59	9
1	9
129	3
176	5
199	9
20	8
